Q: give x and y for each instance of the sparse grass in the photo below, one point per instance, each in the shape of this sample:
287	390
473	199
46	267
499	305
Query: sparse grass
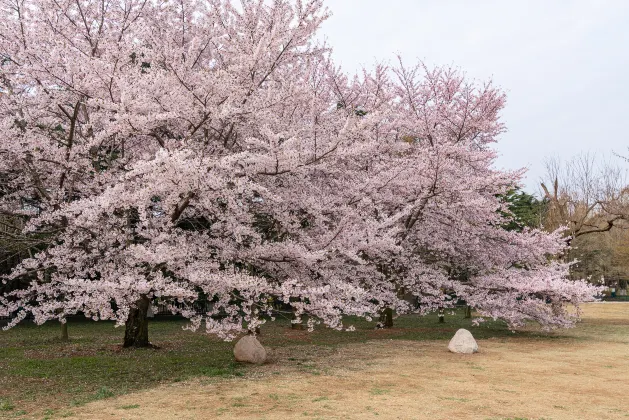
36	367
48	413
379	391
474	366
454	399
101	394
38	370
514	376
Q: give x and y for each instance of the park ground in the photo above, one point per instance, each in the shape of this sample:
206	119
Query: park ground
402	373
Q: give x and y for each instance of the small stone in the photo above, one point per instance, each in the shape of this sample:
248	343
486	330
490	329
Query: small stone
248	349
463	342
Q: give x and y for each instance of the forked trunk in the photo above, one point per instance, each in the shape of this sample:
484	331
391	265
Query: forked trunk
137	327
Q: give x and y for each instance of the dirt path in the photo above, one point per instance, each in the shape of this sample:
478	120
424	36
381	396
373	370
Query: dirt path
578	374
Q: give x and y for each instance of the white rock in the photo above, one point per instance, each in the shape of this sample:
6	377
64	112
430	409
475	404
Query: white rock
248	349
463	342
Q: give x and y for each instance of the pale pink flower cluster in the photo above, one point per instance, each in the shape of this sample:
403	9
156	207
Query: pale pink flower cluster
186	147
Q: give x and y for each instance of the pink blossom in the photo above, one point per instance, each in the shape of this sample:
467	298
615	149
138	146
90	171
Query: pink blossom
179	148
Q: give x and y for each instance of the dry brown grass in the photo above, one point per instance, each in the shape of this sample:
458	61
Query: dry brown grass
581	373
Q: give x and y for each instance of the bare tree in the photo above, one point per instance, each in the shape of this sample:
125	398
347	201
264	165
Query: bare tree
587	194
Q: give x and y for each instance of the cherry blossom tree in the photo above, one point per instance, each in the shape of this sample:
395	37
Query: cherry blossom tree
187	149
159	141
439	193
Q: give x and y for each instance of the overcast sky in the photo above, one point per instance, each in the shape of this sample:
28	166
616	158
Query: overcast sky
563	64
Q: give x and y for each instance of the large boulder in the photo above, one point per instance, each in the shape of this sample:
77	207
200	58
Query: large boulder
463	342
248	349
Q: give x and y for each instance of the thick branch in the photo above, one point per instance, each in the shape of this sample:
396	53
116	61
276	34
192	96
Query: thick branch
179	208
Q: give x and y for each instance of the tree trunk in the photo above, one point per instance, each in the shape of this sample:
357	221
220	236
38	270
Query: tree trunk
64	331
137	327
468	311
386	318
442	318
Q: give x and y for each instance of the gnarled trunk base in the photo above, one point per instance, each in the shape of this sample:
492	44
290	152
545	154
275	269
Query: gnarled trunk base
137	327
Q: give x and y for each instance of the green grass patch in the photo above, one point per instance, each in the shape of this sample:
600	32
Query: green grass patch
6	405
38	370
379	391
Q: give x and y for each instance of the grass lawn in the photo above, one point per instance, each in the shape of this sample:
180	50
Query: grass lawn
45	378
40	374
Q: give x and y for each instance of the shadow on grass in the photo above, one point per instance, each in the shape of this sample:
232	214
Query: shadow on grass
38	370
